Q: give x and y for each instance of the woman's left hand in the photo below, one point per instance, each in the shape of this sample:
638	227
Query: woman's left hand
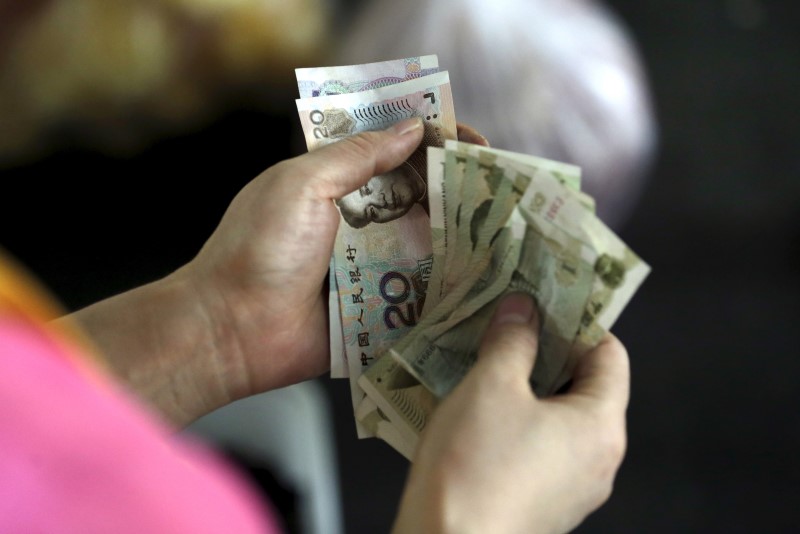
249	312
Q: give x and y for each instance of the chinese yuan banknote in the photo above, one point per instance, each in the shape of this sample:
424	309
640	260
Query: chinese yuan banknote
382	254
339	80
336	80
551	246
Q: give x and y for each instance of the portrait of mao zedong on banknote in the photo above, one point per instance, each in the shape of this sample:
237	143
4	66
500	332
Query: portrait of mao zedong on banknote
391	195
385	197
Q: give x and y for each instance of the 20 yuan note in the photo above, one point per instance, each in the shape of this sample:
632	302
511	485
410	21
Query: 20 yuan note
382	253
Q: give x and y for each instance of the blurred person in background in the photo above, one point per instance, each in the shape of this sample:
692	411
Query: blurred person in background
116	75
560	79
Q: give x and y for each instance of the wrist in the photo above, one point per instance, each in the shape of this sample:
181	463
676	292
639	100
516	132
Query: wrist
201	355
160	342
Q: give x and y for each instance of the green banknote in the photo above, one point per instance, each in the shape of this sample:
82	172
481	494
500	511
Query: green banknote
579	272
437	200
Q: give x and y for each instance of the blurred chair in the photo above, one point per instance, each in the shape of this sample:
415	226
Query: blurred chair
289	433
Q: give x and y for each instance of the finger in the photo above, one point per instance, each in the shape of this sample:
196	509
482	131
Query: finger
511	339
603	373
345	165
468	134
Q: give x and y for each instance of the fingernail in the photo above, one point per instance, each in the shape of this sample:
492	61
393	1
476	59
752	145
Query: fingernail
516	308
407	126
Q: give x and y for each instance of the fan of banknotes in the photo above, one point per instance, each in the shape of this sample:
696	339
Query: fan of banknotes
424	252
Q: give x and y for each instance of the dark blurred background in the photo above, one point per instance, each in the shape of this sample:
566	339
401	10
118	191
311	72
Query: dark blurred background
714	428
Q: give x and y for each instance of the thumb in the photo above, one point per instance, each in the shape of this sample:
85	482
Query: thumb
511	340
343	166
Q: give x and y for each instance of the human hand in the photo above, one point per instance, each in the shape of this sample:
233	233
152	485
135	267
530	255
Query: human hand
266	263
261	274
468	134
249	312
494	458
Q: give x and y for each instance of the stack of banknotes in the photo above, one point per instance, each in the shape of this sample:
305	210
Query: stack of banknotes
423	253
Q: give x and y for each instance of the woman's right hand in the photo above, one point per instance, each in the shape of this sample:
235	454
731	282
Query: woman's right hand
495	458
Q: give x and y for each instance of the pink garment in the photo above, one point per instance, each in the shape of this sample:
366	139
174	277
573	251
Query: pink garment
80	455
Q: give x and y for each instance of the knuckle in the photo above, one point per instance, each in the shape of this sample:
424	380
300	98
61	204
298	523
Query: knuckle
360	146
602	494
604	457
609	453
513	338
515	345
619	446
612	450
